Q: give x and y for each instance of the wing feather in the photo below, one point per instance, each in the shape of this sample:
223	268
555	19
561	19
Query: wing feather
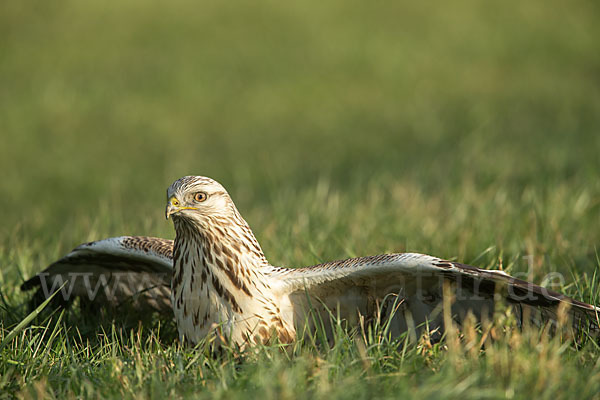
112	271
361	286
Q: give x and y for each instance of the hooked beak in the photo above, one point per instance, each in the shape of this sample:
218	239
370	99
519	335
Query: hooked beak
169	210
174	206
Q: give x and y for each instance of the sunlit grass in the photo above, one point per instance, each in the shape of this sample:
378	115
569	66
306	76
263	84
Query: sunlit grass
496	359
467	130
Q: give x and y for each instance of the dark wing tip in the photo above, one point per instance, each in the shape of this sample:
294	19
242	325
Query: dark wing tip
31	283
527	292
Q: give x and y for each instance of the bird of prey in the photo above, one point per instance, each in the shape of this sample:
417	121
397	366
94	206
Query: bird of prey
216	280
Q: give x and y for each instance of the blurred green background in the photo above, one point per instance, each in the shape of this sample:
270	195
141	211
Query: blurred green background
465	129
343	127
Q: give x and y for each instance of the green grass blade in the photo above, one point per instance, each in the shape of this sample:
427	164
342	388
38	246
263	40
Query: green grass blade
28	319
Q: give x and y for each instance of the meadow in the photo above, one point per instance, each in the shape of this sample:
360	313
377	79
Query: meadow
467	130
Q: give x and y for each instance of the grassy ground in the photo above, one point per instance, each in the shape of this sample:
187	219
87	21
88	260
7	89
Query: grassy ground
468	130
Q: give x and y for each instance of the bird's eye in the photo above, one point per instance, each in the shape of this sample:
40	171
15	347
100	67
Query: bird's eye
200	196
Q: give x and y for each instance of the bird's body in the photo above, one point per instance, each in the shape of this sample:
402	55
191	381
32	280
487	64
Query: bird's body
221	282
219	271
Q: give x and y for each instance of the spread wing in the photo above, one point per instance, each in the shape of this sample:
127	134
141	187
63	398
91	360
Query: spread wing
408	291
113	271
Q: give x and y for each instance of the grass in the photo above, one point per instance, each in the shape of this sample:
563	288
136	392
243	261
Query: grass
468	130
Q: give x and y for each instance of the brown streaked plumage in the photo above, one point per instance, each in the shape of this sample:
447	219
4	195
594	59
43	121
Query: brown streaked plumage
221	281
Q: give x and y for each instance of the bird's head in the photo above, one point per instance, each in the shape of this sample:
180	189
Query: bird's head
198	197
